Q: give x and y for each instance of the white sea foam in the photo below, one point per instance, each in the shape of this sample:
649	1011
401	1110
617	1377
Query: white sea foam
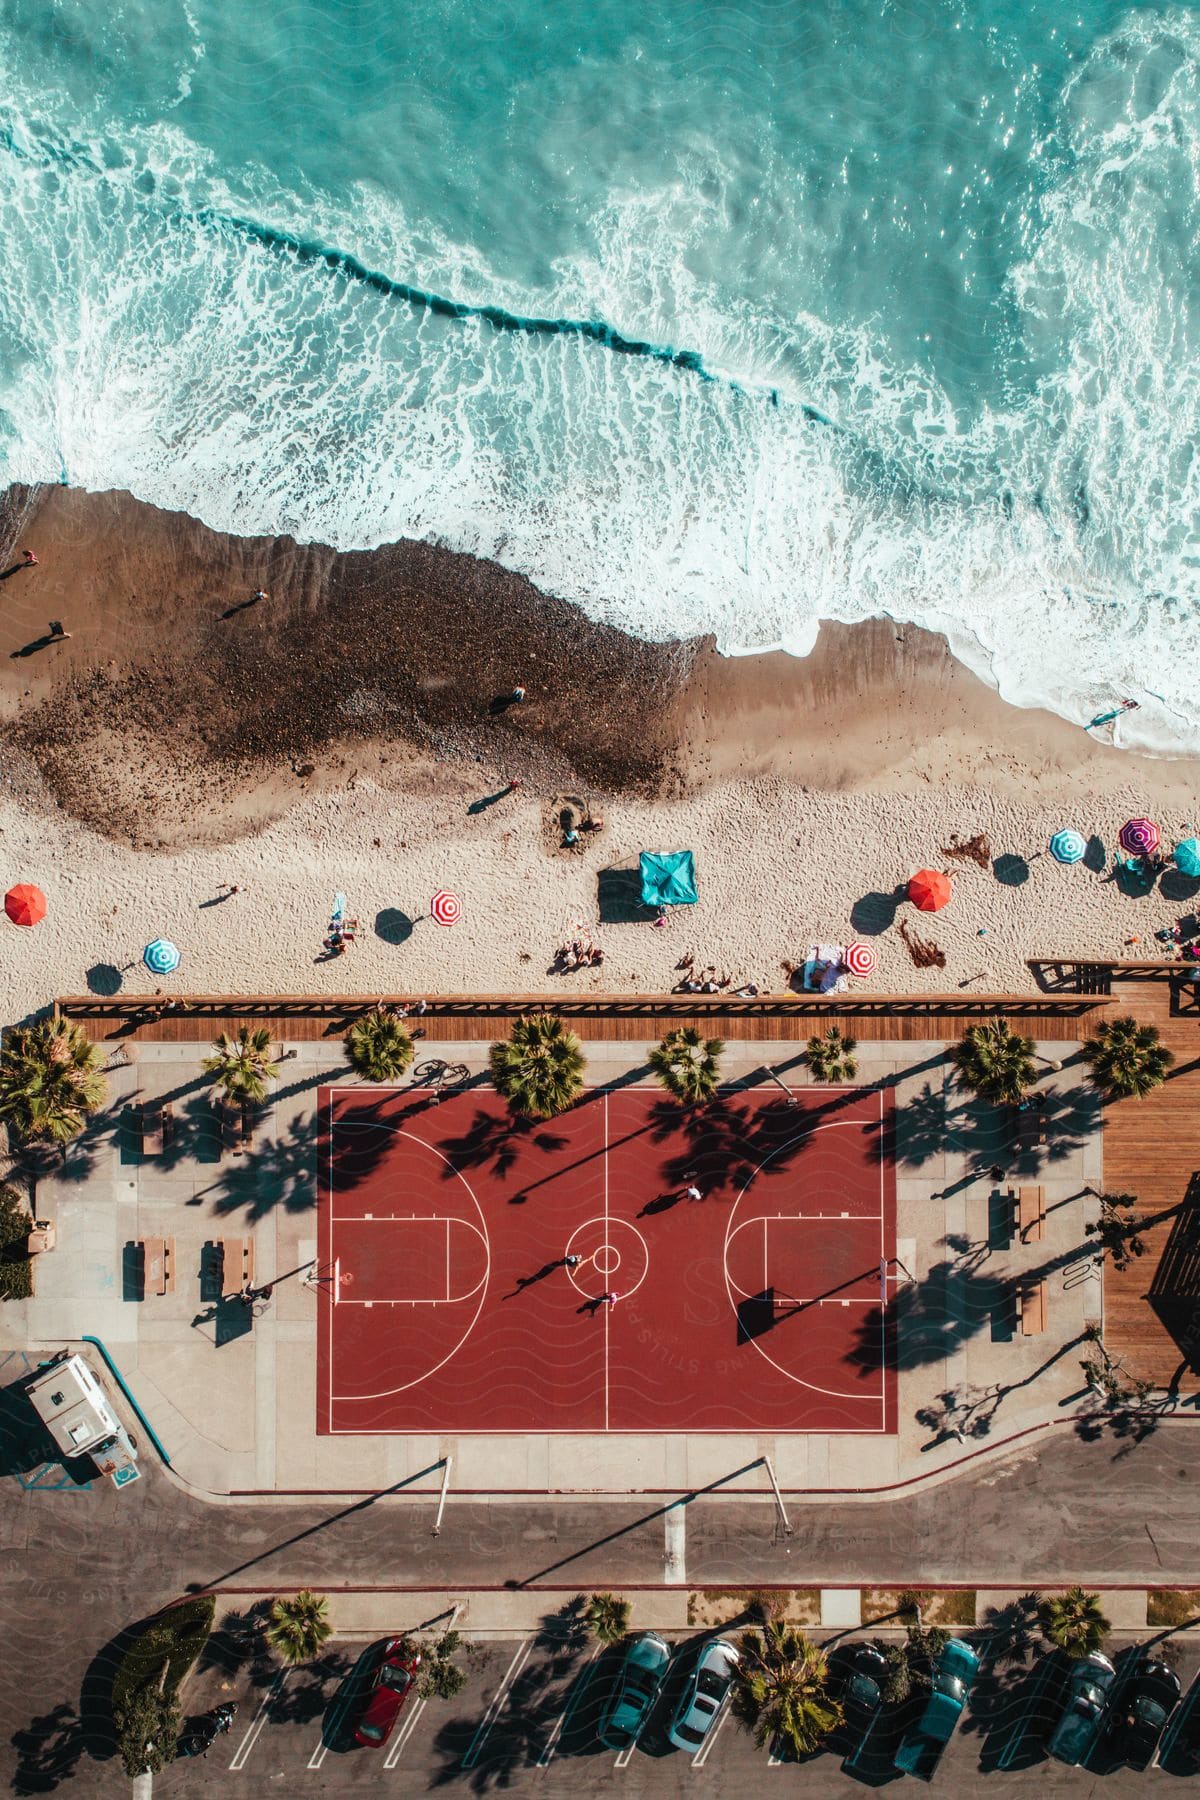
1055	540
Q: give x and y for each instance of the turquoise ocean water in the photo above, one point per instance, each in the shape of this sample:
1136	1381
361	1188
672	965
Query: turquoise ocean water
711	317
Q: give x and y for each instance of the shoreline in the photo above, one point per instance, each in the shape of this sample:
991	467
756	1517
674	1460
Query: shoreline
207	717
352	732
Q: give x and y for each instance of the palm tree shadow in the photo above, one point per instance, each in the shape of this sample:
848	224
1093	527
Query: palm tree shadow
278	1172
49	1750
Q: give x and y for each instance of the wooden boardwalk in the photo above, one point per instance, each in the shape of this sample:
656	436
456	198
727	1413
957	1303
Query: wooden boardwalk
188	1018
1151	1146
1152	1149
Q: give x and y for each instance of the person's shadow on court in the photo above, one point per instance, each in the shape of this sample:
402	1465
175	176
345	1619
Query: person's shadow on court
525	1281
661	1203
592	1307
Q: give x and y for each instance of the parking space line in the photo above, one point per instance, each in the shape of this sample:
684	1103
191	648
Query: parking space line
497	1702
258	1721
403	1735
701	1755
564	1718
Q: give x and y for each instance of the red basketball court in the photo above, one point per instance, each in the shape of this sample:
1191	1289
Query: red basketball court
445	1304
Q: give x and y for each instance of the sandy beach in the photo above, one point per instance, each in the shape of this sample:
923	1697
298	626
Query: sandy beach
351	732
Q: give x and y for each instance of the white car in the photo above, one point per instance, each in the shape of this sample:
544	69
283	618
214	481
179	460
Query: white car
704	1695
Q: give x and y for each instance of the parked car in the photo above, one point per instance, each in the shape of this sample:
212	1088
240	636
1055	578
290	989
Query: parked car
864	1667
391	1684
1144	1704
954	1670
1087	1696
635	1690
702	1697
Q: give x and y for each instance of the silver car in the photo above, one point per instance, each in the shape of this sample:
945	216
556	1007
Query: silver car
704	1695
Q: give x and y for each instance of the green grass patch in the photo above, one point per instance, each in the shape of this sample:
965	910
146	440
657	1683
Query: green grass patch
16	1280
1172	1607
164	1652
708	1607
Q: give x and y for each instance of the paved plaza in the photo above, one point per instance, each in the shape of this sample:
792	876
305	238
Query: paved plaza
231	1390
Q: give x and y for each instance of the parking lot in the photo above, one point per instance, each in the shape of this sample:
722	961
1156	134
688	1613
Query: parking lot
527	1720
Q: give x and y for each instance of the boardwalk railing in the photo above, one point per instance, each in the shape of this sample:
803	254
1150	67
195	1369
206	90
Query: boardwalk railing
1087	975
132	1011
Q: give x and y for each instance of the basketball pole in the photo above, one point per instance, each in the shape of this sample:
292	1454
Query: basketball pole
779	1083
447	1461
783	1518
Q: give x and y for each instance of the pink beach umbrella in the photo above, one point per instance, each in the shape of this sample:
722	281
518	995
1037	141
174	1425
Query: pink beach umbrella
445	908
1140	837
860	959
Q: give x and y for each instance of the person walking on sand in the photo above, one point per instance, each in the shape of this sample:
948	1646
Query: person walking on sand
57	632
29	559
259	594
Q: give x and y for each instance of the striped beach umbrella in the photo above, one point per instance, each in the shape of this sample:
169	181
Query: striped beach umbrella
929	890
1187	857
25	904
1068	846
1140	837
161	957
860	958
445	908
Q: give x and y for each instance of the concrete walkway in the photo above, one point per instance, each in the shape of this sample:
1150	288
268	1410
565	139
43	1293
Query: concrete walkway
232	1397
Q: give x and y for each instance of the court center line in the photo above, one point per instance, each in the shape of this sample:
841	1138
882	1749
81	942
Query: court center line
607	1308
564	1718
258	1721
403	1735
483	1730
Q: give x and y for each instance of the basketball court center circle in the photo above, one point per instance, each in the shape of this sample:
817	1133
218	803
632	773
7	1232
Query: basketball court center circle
604	1246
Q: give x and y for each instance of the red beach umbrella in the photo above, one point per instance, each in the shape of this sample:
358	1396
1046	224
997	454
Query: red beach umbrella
860	959
1140	837
929	890
445	908
25	904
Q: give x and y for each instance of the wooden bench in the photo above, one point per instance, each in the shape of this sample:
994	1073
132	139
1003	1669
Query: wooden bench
235	1134
1031	1214
237	1263
158	1265
154	1124
1032	1299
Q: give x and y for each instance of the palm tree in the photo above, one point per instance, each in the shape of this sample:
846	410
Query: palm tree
298	1627
607	1617
995	1062
378	1046
782	1688
243	1066
440	1676
1127	1059
688	1065
539	1069
1074	1622
50	1081
831	1058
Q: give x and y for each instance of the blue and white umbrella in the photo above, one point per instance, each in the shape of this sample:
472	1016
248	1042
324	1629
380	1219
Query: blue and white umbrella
1068	846
161	957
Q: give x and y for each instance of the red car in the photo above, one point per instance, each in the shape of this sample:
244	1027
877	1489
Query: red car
395	1674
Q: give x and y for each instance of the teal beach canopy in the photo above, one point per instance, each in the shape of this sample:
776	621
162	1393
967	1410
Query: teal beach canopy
668	878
